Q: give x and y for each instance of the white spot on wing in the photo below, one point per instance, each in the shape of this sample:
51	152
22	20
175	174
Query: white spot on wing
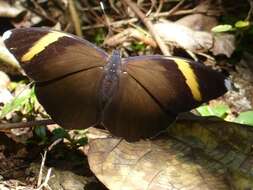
6	35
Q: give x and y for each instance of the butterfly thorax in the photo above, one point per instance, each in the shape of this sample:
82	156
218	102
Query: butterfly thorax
110	81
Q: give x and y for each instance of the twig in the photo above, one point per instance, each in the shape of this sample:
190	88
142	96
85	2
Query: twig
97	8
160	6
45	183
75	18
153	4
127	35
41	12
93	12
149	25
26	124
175	8
152	16
113	6
107	20
116	24
41	169
250	10
54	143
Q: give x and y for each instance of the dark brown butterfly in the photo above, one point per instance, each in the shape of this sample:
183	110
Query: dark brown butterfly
80	85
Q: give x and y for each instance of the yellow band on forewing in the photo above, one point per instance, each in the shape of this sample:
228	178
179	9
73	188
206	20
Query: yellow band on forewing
191	79
41	44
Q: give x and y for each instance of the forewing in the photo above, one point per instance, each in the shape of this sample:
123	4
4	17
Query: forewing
72	101
177	84
47	54
133	113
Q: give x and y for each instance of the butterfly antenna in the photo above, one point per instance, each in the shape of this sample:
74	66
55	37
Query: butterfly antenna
107	20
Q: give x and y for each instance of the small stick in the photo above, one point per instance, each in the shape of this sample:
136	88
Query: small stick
107	20
171	11
40	12
152	16
27	124
113	6
54	143
45	183
41	168
75	18
115	24
149	25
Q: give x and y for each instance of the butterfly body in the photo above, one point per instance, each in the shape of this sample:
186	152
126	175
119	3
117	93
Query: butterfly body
110	81
80	85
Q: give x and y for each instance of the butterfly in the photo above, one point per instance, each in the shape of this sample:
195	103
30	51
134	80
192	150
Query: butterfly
80	85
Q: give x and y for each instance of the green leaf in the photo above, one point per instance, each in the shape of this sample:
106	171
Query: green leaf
81	142
242	24
245	118
99	36
222	28
219	110
40	131
18	102
60	133
138	46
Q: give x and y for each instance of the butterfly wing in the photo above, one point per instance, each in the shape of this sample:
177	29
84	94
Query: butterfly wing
72	101
133	113
178	84
46	54
154	89
66	69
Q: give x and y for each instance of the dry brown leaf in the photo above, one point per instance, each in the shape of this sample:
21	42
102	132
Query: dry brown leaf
5	94
196	41
6	10
223	44
127	35
8	62
201	154
198	22
184	36
209	7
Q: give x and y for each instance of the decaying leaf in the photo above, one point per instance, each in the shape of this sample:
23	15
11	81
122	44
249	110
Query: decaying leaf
8	62
194	40
209	7
127	35
4	80
6	10
184	36
224	44
201	154
199	22
5	94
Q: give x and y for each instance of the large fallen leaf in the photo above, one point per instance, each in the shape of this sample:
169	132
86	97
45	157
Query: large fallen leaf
184	36
195	40
199	22
201	154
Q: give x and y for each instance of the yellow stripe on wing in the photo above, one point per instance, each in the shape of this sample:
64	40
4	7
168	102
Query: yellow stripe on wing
41	44
191	78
